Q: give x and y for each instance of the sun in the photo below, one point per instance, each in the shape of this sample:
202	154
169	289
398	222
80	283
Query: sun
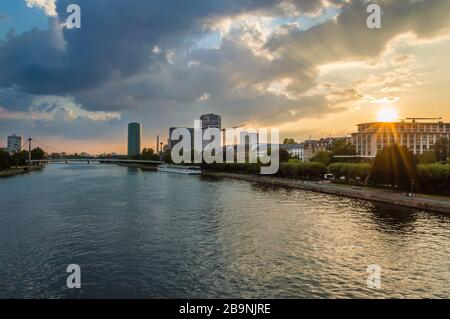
387	114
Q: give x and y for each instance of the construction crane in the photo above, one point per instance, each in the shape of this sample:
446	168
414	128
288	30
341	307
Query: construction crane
414	119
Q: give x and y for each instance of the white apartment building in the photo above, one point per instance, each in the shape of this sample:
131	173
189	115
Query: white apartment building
418	137
14	143
296	150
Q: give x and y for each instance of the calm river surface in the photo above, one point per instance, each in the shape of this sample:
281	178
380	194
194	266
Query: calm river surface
159	235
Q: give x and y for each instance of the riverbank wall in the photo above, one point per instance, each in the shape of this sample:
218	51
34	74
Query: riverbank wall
418	201
20	170
141	166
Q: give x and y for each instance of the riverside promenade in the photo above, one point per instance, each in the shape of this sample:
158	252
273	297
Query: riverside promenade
434	203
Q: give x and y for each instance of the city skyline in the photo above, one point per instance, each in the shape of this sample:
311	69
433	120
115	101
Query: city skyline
387	117
310	68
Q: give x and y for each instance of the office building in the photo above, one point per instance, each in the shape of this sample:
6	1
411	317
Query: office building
172	142
210	121
14	143
418	135
134	139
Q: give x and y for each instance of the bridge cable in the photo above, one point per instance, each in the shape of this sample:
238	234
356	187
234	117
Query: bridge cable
48	147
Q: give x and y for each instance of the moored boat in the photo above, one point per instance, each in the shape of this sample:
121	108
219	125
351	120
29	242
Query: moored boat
180	169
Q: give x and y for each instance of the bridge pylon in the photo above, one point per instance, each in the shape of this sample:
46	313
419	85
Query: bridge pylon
29	150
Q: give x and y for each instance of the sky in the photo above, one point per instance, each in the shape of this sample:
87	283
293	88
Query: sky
307	67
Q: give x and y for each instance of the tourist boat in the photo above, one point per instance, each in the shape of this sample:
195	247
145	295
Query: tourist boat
180	169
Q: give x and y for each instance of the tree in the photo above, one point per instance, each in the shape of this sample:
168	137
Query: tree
321	157
148	154
37	154
394	165
5	160
441	149
428	157
289	141
342	146
167	157
284	155
19	158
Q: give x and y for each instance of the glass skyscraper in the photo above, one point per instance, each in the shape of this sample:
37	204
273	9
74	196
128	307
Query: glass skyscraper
134	139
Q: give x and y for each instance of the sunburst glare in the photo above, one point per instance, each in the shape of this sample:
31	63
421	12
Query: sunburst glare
387	114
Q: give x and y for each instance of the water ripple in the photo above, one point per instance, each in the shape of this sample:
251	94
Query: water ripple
154	235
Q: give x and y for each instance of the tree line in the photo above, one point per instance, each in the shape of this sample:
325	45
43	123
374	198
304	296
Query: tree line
394	167
8	160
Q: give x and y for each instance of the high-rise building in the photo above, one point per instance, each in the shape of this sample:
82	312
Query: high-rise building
172	142
418	137
134	139
14	143
210	121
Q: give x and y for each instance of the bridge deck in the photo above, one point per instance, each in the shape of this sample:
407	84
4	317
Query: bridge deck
100	160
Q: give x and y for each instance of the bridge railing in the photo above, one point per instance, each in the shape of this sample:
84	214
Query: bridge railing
101	160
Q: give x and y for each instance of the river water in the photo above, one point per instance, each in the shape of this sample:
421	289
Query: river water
161	235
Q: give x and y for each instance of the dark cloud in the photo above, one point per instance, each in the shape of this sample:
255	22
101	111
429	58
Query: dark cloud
116	39
3	16
14	99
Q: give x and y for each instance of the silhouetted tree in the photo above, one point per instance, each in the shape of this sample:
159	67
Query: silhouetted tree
19	158
284	155
441	149
167	157
148	154
5	160
289	141
37	154
394	165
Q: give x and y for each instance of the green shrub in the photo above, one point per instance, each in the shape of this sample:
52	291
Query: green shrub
322	157
350	170
434	178
310	170
288	169
338	169
361	170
